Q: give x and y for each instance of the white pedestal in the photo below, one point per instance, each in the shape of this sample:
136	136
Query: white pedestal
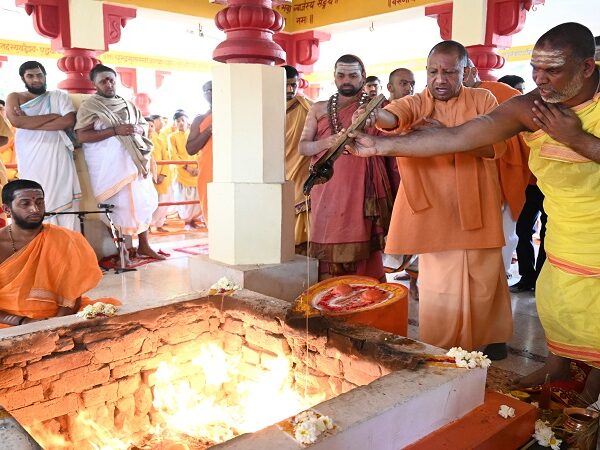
252	214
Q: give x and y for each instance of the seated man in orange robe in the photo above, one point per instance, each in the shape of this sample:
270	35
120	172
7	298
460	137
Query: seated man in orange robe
44	269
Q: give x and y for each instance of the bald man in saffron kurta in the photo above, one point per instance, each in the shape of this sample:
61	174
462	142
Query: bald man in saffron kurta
448	211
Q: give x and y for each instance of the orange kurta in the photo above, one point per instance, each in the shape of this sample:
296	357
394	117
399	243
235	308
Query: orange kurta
205	167
513	171
446	202
296	165
448	210
52	271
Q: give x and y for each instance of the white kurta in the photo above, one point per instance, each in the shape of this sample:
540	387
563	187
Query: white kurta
115	180
47	157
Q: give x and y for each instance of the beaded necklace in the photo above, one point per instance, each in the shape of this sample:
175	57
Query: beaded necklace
332	110
12	241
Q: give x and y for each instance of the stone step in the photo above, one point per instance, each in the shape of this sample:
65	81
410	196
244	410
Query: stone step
484	429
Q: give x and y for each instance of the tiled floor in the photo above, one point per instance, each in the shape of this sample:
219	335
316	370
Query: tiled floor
165	281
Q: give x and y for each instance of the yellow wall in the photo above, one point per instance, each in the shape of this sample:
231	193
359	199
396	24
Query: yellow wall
302	15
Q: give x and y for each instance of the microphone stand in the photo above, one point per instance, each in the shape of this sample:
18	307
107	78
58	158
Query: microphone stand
118	238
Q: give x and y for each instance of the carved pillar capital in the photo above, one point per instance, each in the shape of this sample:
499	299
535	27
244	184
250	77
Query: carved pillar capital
249	26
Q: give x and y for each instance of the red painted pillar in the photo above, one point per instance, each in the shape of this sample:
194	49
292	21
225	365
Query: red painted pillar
504	18
51	19
3	59
302	51
249	26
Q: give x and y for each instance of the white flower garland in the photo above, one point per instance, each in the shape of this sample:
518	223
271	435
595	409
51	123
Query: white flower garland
98	309
506	411
224	285
309	425
545	436
469	360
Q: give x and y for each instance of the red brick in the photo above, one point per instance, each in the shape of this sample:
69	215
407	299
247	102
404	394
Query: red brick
358	377
11	377
250	356
128	386
261	339
179	333
65	344
124	346
50	409
336	386
100	395
330	366
233	343
346	386
12	399
79	383
233	326
58	364
33	346
134	365
143	400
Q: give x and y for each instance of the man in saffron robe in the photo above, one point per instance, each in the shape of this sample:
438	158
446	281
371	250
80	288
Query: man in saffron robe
350	213
44	149
200	143
7	142
164	172
296	165
513	172
186	182
117	154
448	212
561	125
44	269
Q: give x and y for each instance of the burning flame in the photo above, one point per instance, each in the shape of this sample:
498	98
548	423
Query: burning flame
214	398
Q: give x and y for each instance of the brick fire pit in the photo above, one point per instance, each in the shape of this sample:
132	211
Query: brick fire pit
51	372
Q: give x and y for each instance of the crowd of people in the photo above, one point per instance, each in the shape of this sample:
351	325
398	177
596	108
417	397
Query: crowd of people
457	174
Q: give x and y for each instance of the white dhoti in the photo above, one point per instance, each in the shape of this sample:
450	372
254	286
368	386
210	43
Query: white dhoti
115	180
187	213
509	226
47	157
160	215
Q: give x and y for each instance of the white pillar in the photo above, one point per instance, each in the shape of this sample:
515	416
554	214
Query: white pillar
251	218
469	21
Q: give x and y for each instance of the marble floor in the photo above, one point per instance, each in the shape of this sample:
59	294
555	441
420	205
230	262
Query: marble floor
166	281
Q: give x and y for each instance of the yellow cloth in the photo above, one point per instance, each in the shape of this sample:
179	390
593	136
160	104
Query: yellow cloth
571	185
7	151
568	288
161	152
296	165
52	271
177	141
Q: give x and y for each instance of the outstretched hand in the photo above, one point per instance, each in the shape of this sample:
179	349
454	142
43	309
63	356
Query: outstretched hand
561	124
362	144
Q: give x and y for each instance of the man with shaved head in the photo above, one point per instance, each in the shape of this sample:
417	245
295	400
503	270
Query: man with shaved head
401	83
350	213
560	121
448	212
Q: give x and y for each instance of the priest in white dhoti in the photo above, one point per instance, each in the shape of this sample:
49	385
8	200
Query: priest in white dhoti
44	149
117	152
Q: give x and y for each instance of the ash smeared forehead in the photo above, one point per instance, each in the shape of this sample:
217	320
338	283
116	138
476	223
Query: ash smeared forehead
542	56
348	67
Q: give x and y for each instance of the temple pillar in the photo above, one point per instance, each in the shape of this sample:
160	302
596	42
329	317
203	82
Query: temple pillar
251	216
81	41
483	26
302	51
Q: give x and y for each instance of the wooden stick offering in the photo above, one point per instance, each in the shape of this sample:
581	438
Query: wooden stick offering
322	170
